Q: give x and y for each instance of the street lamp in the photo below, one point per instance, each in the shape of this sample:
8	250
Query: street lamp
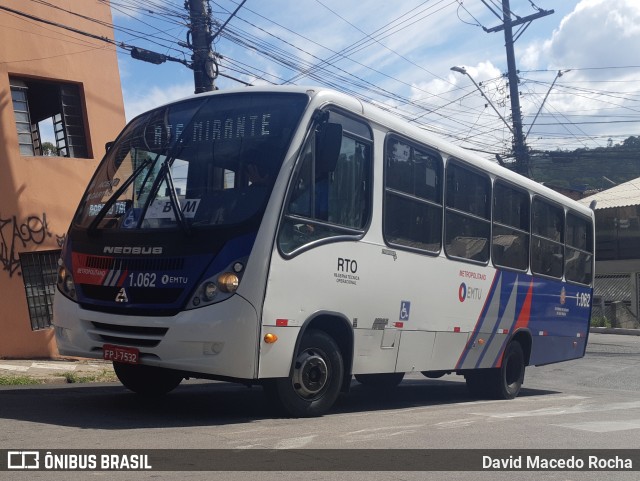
558	75
463	71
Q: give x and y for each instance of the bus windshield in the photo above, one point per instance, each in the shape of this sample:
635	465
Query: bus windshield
205	161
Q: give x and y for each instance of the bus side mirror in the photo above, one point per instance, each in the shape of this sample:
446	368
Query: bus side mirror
108	145
328	144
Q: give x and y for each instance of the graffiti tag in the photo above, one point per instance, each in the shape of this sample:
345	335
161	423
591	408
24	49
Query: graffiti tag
16	236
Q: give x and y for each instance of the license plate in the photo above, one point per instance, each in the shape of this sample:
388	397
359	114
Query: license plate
126	355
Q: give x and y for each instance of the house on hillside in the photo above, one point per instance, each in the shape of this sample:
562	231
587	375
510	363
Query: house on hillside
617	281
63	88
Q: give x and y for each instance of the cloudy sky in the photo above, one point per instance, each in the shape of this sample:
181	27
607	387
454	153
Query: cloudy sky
399	55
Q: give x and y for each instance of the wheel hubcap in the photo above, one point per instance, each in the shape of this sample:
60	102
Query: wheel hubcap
310	374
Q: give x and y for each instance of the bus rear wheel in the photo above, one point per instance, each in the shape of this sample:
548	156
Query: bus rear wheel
510	376
315	380
382	380
503	382
146	380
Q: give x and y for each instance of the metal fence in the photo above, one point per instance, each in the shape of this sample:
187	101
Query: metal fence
612	289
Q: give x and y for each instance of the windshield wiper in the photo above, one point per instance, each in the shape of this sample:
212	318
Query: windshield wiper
116	195
175	203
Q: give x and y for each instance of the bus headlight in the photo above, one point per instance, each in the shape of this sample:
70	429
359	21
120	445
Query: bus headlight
65	282
228	282
219	286
209	291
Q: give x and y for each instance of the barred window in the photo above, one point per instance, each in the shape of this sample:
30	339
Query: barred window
39	271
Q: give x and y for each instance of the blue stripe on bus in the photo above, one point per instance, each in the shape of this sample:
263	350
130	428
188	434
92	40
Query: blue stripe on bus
556	310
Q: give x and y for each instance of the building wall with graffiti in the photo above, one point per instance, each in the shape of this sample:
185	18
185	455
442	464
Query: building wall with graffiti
60	102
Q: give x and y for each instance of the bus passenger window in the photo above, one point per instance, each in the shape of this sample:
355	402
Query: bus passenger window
413	196
468	213
328	197
547	243
510	240
579	249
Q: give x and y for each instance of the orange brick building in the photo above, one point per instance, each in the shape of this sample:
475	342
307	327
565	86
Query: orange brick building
64	88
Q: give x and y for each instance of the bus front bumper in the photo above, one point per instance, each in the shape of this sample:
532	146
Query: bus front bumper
220	340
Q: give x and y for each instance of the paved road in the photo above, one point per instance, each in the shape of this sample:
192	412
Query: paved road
590	403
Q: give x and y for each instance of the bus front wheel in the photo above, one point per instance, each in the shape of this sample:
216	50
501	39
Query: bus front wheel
146	380
315	380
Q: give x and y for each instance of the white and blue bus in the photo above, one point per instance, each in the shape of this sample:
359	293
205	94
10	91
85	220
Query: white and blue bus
297	237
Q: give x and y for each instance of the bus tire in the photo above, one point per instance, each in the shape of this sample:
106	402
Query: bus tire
508	378
315	380
382	380
146	380
503	382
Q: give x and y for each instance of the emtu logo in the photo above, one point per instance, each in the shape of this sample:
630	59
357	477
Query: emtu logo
469	292
462	292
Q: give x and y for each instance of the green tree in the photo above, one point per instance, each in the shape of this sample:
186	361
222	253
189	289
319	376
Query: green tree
49	149
632	142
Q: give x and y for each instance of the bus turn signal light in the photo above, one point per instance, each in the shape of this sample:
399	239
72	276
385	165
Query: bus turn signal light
270	338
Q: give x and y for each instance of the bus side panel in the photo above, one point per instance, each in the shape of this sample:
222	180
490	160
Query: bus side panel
402	306
447	349
276	358
340	277
420	312
550	349
560	316
506	309
372	354
415	351
544	307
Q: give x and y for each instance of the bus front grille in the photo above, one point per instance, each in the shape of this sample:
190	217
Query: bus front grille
134	264
136	336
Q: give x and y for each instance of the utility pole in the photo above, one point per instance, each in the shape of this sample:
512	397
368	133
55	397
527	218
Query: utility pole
519	147
203	60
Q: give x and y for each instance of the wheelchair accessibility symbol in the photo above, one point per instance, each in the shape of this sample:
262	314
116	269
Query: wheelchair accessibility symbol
405	309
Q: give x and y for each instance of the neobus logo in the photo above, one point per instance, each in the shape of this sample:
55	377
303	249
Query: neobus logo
145	250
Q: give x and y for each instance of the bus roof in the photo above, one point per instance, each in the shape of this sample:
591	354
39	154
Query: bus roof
321	96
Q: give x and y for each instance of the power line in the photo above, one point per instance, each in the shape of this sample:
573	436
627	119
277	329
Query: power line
81	32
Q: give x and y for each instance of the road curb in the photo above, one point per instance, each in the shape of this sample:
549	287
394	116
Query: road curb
55	371
615	330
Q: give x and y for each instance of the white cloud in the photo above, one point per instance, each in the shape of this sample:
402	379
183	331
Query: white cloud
136	104
596	33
